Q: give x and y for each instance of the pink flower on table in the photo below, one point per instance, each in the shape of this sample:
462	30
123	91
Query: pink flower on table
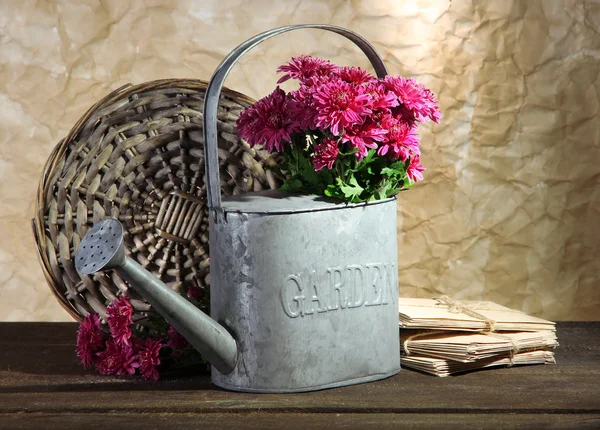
326	152
195	292
176	340
117	359
414	169
148	359
355	75
268	122
119	320
364	137
89	339
400	141
415	97
341	105
305	67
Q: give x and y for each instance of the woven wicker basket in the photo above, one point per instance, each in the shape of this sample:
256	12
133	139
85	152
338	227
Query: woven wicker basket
137	155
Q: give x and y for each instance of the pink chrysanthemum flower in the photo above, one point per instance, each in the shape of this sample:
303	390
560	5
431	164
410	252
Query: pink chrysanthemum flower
341	105
415	97
268	122
302	104
117	359
364	137
414	169
195	292
400	140
119	320
326	152
89	339
355	75
404	114
148	359
248	125
305	67
301	108
382	98
176	340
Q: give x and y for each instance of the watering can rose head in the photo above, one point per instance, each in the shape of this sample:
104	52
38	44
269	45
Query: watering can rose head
344	133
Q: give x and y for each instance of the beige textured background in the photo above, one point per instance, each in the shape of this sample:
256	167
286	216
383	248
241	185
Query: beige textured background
510	208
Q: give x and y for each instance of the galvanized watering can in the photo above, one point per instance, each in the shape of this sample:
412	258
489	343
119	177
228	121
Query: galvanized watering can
303	289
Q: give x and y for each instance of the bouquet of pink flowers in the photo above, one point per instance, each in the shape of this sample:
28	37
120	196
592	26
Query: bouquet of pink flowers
344	133
121	347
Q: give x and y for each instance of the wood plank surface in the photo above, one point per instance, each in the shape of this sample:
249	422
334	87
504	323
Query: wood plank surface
261	420
42	382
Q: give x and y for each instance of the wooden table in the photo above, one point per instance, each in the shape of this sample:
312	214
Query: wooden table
43	386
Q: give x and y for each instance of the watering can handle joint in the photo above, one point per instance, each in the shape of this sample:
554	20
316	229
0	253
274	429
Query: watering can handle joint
211	100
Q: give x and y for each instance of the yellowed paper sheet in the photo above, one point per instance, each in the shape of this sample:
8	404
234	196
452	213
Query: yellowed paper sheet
466	315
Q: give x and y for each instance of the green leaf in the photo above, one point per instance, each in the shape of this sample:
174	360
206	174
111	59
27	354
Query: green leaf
381	192
372	178
352	190
392	191
326	177
394	169
333	191
292	185
361	165
370	154
388	171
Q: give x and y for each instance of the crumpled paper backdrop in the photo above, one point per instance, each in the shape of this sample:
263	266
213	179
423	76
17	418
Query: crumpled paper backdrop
510	207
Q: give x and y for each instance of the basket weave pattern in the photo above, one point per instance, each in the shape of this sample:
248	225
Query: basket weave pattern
138	156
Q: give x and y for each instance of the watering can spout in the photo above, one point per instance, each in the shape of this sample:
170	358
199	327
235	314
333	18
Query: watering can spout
102	248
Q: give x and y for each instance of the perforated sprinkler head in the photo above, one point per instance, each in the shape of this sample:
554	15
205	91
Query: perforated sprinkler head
102	248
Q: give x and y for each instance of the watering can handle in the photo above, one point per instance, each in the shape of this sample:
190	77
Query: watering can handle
211	100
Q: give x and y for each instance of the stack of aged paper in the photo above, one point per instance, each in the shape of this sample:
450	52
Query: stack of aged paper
444	336
446	314
440	367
